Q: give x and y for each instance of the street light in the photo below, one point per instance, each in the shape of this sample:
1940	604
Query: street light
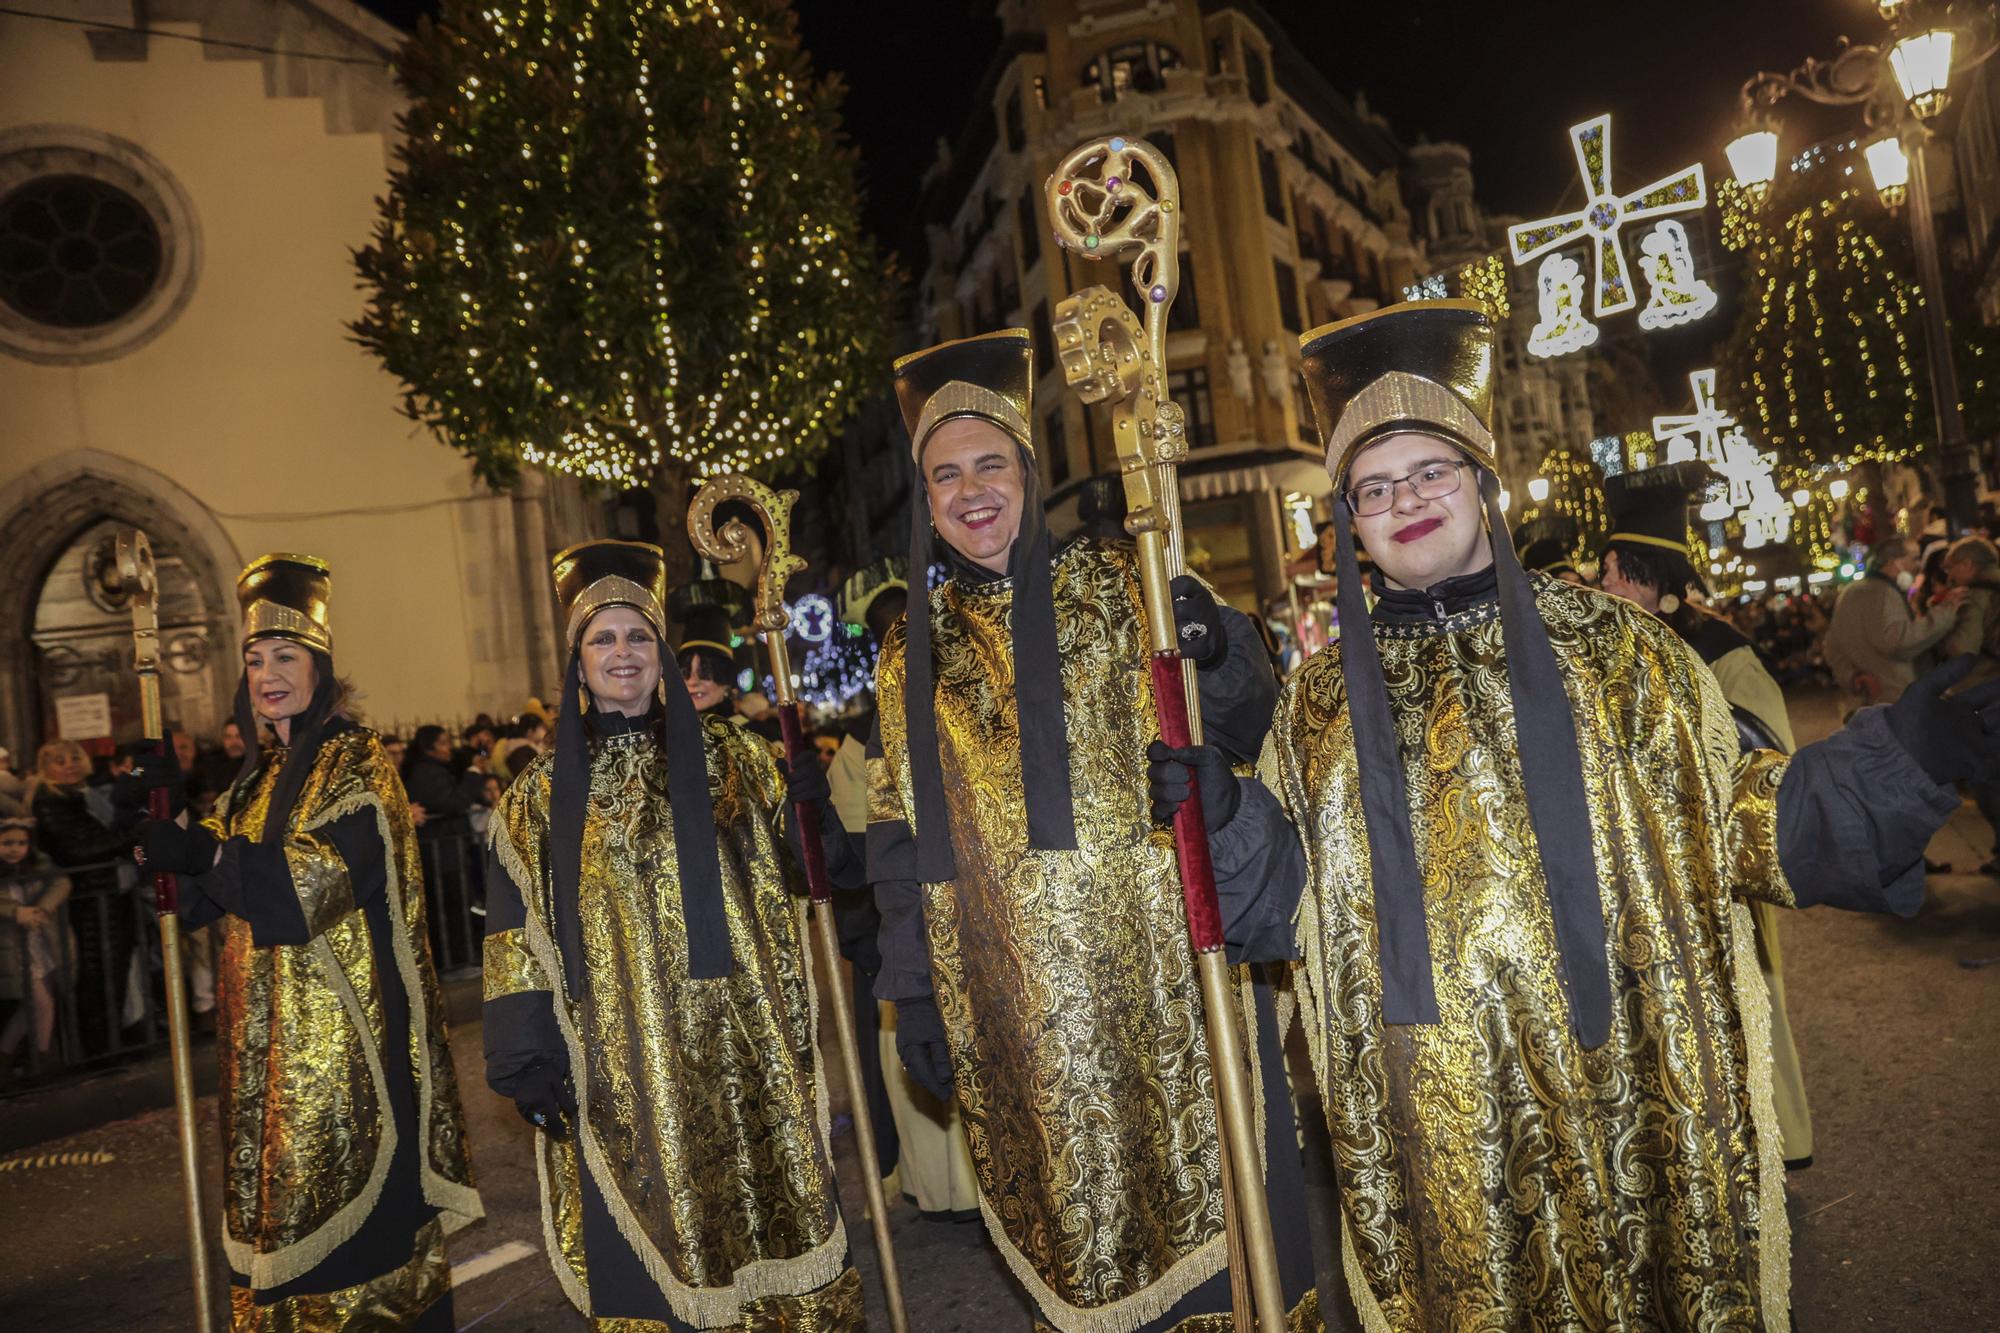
1919	56
1538	489
1837	488
1753	156
1922	64
1890	166
1801	497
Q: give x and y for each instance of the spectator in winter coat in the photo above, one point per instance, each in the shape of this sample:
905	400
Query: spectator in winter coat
77	840
1875	643
33	943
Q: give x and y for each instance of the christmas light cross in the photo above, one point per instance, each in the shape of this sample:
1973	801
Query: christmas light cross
1705	424
1605	213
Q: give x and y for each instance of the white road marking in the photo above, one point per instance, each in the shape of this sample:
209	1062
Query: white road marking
479	1265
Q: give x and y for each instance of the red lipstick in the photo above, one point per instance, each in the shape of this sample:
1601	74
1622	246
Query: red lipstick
1421	528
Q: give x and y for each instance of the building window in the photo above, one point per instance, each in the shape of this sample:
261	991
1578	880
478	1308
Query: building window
1288	294
76	252
1164	141
1274	190
1135	67
1256	78
1056	445
1308	240
1218	55
1189	388
1027	231
1016	124
1044	340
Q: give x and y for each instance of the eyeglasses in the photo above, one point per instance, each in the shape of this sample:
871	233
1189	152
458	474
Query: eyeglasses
1432	481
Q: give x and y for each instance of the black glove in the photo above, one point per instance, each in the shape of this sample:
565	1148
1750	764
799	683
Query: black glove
806	781
920	1042
1954	739
543	1096
196	909
1168	785
155	767
1198	622
166	846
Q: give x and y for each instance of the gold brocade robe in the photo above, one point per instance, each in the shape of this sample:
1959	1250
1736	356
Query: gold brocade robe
702	1118
1064	978
306	1053
1492	1175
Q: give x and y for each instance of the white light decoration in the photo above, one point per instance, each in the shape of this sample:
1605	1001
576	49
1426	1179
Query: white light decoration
1608	452
1605	213
1538	489
1562	328
812	618
1890	167
1676	296
1753	156
1697	435
1432	288
1923	70
1837	488
1801	498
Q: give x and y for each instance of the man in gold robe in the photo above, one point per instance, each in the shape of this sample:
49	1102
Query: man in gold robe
344	1154
1034	938
1529	981
649	999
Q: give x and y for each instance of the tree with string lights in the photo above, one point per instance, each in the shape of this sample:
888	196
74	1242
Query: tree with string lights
622	241
1828	350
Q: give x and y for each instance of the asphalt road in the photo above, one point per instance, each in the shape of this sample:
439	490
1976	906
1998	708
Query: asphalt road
1894	1225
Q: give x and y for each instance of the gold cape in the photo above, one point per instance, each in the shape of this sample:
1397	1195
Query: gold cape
1492	1175
1064	978
702	1105
307	1129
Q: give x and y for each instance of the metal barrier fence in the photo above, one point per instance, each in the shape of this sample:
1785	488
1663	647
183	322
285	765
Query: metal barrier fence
100	996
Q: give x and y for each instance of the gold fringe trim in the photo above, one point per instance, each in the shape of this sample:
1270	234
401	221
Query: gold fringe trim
566	1277
1373	1318
704	1307
1753	1005
458	1200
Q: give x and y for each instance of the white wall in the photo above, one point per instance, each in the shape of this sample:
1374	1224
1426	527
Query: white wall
254	400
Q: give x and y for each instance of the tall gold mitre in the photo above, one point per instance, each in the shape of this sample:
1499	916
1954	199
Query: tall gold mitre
991	377
593	575
1418	366
285	597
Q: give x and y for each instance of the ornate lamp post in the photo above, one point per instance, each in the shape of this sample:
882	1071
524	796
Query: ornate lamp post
1901	84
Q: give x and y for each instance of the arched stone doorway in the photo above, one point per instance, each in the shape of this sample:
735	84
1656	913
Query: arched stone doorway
61	616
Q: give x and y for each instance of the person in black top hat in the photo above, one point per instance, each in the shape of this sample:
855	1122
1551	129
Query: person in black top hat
1648	559
1548	546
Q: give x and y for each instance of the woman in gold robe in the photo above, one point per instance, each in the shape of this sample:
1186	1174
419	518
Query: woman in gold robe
649	1000
344	1152
1529	980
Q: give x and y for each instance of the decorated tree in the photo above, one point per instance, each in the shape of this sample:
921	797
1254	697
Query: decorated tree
621	241
1827	359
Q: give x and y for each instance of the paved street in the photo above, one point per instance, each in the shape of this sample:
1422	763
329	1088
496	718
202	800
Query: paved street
1894	1226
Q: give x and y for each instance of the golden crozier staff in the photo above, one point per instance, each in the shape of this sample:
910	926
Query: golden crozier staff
727	545
1100	210
135	566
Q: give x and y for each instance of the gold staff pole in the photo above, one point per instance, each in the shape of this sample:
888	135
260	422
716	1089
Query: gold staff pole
135	567
731	543
1100	211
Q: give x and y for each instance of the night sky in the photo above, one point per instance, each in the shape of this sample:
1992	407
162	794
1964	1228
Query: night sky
1506	79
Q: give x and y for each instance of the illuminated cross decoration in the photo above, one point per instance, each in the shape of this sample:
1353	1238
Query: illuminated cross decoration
1705	424
1604	213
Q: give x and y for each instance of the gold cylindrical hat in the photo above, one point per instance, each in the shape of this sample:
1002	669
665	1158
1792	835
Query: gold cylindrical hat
991	377
285	597
593	575
1423	366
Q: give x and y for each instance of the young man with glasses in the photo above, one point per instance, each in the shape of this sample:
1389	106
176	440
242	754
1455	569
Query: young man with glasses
1527	978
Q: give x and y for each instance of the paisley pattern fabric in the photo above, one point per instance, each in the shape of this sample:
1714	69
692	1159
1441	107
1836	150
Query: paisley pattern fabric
703	1121
835	1308
1492	1175
305	1047
1065	980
